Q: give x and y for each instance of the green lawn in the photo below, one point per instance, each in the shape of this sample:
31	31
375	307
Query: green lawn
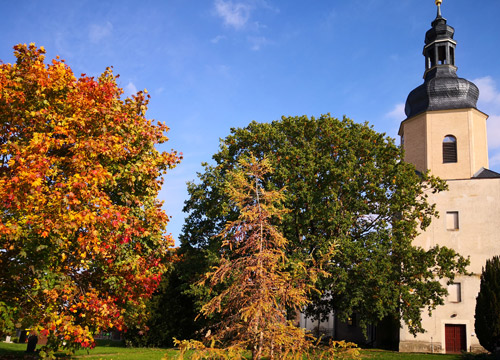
16	351
392	355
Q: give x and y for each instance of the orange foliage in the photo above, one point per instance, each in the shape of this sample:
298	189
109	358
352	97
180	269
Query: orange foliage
82	234
259	283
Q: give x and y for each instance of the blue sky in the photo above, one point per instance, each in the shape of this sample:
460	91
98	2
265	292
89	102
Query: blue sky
210	65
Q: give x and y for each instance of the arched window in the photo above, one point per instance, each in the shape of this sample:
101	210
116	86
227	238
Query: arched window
449	149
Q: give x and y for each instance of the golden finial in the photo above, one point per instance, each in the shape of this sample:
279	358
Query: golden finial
439	2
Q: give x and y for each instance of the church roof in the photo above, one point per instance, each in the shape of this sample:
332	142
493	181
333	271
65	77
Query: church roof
442	88
486	174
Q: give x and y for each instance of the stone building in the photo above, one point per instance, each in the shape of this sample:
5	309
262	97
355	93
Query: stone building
445	133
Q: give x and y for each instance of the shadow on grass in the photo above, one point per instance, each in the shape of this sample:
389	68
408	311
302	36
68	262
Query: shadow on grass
110	343
15	351
10	351
470	356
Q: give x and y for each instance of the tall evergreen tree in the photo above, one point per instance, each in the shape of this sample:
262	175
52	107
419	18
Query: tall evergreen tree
254	272
487	322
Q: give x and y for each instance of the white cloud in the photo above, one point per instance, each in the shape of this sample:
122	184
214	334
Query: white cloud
130	89
173	193
217	39
487	90
493	124
397	113
99	32
233	14
264	4
237	14
489	102
258	26
494	160
257	42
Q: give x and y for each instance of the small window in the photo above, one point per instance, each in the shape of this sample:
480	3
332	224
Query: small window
442	55
449	149
432	57
452	55
455	292
351	321
452	220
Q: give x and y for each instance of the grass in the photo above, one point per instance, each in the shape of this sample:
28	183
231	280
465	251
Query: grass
393	355
110	352
17	351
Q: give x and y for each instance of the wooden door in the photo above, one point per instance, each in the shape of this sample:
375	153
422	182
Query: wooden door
455	338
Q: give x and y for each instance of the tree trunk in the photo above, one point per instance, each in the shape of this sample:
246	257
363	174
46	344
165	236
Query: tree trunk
257	349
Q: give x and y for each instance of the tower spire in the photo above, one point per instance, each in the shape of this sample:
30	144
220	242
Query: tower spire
438	4
442	88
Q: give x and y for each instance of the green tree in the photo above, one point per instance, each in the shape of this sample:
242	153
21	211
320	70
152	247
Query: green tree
82	233
346	186
487	324
172	311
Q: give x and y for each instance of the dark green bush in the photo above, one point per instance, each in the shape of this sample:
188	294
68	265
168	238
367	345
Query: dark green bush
487	322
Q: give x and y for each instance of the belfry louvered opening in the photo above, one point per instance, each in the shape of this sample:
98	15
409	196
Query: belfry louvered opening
449	149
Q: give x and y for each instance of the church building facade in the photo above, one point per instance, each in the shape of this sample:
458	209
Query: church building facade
445	133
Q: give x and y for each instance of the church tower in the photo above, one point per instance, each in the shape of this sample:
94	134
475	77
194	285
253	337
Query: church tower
444	132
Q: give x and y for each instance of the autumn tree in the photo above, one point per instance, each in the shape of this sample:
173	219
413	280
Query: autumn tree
487	323
82	233
258	282
347	186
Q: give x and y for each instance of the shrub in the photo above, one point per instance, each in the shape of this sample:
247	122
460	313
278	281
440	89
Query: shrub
487	322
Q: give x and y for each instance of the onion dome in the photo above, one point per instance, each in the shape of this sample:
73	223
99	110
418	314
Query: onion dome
442	88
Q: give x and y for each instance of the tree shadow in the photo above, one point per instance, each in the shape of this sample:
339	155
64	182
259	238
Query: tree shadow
470	356
15	351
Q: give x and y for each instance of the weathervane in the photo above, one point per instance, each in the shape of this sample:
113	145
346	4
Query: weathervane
438	3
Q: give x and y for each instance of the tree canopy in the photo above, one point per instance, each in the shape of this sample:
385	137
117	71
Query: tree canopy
82	233
347	186
487	323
